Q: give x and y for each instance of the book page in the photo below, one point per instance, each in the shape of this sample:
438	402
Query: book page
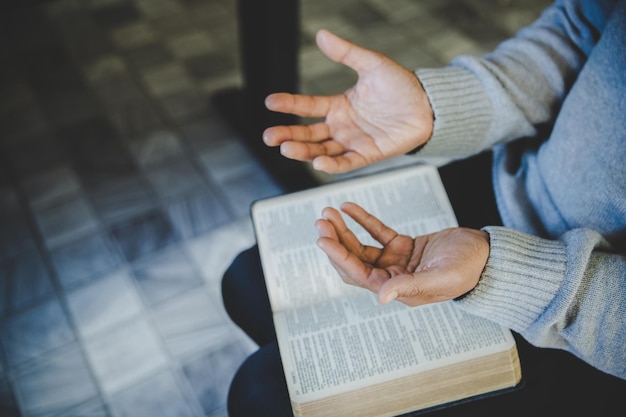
350	343
410	200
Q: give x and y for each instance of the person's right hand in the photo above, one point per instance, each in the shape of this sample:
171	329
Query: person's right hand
386	113
417	270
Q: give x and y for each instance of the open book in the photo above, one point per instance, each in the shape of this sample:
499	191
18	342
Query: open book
344	354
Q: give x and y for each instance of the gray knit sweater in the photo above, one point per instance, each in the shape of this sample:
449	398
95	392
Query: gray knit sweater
551	102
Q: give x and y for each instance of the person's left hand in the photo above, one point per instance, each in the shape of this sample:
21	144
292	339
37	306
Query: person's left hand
385	114
426	269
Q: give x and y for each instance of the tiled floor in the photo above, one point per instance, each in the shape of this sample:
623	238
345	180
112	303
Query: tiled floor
124	195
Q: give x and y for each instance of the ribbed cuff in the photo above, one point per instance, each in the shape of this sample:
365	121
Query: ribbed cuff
522	275
461	107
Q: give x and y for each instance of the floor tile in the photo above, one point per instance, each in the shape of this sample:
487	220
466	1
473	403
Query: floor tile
36	153
26	19
226	158
472	23
112	160
190	43
17	93
135	35
82	37
449	43
3	367
186	105
155	148
56	383
116	14
149	55
145	234
191	324
25	280
9	204
397	11
362	15
121	198
35	332
210	376
24	121
244	190
70	106
113	84
66	221
202	133
15	236
103	303
8	404
49	68
160	9
45	188
171	22
165	275
167	79
90	408
213	252
157	396
175	177
134	116
84	259
218	23
125	355
197	212
213	64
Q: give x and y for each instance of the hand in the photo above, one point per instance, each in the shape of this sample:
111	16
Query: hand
426	269
387	113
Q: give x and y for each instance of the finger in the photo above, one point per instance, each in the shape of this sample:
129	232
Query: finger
352	269
348	239
316	132
326	229
345	52
424	287
309	151
419	244
345	235
340	163
299	104
377	229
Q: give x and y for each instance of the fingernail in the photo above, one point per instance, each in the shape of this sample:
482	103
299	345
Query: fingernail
390	297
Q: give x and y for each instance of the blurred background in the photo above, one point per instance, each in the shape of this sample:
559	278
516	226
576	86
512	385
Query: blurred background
129	155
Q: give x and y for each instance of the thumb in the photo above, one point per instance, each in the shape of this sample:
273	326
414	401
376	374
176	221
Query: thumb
428	286
346	52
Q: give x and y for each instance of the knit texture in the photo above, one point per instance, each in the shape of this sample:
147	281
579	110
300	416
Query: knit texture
551	102
462	109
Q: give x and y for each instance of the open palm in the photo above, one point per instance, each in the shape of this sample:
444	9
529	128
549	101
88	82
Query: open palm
386	113
430	268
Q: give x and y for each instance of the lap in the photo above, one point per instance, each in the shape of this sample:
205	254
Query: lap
554	381
245	297
259	388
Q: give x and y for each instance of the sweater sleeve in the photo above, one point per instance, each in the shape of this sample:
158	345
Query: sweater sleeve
510	93
549	292
566	292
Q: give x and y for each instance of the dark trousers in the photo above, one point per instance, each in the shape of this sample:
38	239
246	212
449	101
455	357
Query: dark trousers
555	383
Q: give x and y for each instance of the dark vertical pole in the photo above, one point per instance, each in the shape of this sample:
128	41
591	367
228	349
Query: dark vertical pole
269	33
